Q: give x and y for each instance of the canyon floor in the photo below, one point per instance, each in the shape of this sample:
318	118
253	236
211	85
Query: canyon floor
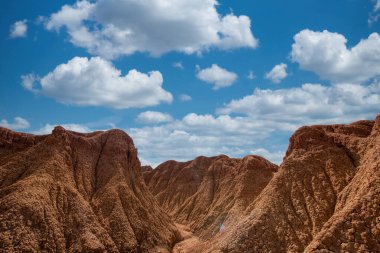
73	192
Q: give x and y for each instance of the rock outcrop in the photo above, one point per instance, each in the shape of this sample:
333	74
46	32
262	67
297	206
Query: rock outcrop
71	192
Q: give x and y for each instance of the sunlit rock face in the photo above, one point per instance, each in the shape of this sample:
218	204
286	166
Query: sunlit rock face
71	192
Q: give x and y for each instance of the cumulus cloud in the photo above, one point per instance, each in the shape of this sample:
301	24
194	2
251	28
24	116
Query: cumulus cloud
185	98
327	55
310	103
256	124
17	124
152	117
217	76
278	73
195	135
48	128
19	29
96	82
111	28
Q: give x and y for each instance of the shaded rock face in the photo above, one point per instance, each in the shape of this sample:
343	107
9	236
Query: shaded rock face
325	197
209	193
70	192
172	182
146	168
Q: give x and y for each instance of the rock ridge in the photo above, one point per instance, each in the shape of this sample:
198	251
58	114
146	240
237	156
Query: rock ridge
72	192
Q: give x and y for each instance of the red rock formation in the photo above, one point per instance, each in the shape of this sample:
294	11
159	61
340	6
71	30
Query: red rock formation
172	183
71	192
325	197
146	168
208	193
228	188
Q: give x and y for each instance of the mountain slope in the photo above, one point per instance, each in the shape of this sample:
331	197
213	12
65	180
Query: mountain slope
70	192
325	197
209	193
172	182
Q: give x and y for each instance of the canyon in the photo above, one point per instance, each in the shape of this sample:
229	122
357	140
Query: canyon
74	192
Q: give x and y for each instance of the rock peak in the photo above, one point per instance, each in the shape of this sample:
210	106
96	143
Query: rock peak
58	130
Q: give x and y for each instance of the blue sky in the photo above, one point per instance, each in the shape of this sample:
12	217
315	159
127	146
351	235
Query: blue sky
188	78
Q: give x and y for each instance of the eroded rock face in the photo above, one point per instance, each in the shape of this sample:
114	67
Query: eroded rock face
70	192
172	182
209	193
325	197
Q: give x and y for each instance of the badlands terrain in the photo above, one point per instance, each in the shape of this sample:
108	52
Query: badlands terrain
73	192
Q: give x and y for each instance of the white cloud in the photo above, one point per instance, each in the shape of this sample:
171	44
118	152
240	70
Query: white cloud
258	124
374	14
327	55
275	157
148	163
96	82
223	123
112	28
278	73
310	103
251	75
17	124
28	81
195	135
185	98
178	65
19	29
48	128
217	76
152	117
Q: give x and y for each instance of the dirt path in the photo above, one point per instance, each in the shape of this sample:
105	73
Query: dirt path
189	241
